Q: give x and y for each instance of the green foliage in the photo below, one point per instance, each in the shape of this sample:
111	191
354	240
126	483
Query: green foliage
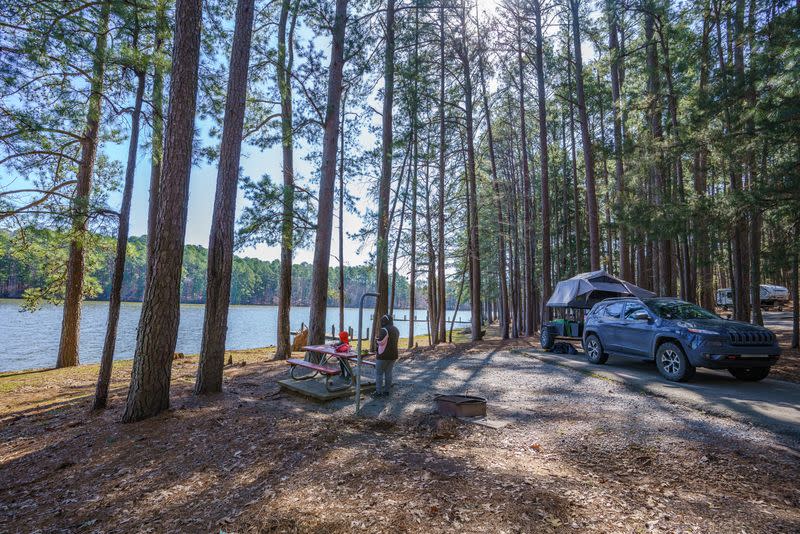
33	262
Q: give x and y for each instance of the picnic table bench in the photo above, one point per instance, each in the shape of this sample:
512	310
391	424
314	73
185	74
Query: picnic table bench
328	352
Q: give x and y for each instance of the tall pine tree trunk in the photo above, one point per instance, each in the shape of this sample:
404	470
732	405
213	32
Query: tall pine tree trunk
703	264
412	282
220	242
441	307
626	269
544	160
322	246
501	246
662	274
342	147
579	265
73	294
158	326
157	138
588	153
750	161
284	66
528	229
795	295
393	298
475	258
115	296
433	295
385	184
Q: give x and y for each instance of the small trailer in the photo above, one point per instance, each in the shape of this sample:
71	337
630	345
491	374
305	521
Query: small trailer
772	296
572	298
724	298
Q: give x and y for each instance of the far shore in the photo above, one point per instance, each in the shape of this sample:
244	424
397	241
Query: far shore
461	309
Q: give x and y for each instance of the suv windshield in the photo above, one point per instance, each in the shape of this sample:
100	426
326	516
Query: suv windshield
678	310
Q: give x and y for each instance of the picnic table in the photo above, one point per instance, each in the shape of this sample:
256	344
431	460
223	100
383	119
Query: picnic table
342	366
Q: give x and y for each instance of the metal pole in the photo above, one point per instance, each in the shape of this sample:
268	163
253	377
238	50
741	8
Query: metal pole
358	349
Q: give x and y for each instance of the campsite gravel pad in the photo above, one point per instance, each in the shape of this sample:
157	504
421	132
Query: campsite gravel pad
659	465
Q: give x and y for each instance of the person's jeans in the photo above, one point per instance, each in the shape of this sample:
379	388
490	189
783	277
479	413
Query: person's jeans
383	376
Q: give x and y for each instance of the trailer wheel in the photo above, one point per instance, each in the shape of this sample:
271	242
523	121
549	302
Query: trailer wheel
547	338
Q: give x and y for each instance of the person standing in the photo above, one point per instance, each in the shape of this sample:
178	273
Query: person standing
387	356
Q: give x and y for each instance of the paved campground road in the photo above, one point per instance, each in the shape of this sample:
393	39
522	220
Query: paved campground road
772	404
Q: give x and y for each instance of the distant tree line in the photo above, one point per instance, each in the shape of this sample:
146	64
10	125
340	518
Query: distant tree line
25	273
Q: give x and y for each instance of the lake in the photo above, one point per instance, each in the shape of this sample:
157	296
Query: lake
30	340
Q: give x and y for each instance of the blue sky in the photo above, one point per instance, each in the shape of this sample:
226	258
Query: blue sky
201	198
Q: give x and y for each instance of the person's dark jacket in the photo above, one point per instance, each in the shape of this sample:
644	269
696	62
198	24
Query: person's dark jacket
388	329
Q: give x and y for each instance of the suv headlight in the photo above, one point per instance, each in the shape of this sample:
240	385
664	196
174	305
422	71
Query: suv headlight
702	331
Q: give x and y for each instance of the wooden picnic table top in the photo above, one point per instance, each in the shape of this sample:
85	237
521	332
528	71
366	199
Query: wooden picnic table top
331	351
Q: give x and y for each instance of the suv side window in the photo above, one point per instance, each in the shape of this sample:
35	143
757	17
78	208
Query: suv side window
613	310
597	311
632	309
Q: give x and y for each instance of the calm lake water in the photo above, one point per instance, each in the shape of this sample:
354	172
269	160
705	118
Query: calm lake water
30	340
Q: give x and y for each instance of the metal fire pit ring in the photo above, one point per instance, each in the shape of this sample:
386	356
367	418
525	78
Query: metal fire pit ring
460	405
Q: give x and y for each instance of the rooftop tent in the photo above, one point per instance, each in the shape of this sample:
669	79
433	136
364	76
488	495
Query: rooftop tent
587	289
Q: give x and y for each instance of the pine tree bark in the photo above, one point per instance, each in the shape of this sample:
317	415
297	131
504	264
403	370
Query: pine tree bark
501	246
586	141
544	160
703	264
609	256
475	258
393	298
441	307
626	269
385	184
795	296
433	295
322	247
73	294
220	241
412	282
662	278
753	178
686	292
157	136
739	241
115	295
284	67
579	265
157	334
527	230
342	147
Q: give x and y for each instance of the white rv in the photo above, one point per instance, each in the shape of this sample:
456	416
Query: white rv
774	296
725	298
771	297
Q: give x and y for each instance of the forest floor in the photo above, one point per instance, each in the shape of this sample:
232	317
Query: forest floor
574	453
788	367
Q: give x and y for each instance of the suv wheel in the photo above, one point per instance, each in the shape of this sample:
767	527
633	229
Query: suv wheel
547	338
673	364
750	374
594	350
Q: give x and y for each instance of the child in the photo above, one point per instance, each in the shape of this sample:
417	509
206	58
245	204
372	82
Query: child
387	355
344	342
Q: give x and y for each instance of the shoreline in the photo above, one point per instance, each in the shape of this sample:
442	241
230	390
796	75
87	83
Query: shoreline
332	306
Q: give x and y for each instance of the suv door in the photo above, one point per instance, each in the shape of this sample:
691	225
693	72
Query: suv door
637	330
609	323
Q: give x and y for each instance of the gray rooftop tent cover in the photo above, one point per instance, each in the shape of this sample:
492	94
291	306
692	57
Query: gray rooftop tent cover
587	289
